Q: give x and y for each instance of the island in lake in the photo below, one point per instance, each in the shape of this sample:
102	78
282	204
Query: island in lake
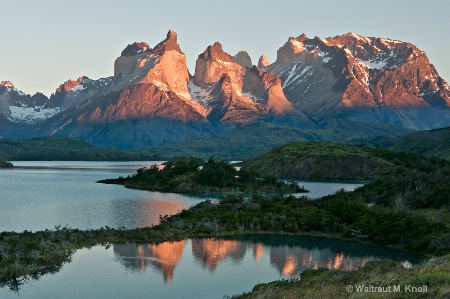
194	175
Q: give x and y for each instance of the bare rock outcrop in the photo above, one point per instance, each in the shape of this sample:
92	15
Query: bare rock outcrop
263	62
243	59
366	78
234	94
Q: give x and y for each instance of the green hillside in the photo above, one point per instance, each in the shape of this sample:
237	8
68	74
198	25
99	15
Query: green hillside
250	141
320	160
64	149
429	143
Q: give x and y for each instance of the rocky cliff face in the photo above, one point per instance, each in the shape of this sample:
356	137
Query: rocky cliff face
322	83
146	103
263	62
373	79
234	93
243	59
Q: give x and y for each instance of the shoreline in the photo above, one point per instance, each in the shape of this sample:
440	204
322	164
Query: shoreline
60	244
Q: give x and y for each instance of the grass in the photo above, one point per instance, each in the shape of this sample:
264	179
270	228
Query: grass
323	283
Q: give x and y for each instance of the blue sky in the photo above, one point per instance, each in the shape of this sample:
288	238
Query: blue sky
47	42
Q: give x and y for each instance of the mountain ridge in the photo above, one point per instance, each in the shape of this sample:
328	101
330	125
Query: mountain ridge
153	100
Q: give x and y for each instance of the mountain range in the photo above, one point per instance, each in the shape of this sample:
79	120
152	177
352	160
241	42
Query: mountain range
347	82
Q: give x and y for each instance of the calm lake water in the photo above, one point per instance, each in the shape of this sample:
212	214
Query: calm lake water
39	195
196	268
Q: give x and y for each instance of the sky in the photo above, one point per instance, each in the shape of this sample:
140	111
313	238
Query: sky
46	42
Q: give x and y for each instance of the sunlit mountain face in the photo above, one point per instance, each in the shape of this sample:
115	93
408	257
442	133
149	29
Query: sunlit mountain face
152	99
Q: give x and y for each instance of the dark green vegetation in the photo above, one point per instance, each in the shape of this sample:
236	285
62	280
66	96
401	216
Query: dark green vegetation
389	210
321	160
406	206
433	143
64	149
323	283
5	164
339	215
429	143
193	175
247	142
400	180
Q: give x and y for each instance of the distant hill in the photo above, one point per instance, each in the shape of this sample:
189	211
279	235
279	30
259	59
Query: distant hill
429	143
248	142
64	149
322	160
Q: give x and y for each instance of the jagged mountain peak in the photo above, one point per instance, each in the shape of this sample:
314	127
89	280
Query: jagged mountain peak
243	59
263	62
170	43
216	52
358	72
290	51
71	84
7	84
143	57
152	95
7	87
214	62
378	44
135	48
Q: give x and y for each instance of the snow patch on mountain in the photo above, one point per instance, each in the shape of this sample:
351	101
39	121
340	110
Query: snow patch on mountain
372	64
201	95
26	114
250	96
78	88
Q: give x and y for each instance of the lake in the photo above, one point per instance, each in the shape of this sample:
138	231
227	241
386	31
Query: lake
197	268
37	195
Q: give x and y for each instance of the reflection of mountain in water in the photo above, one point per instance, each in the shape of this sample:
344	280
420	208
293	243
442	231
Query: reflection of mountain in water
164	256
289	255
209	252
290	261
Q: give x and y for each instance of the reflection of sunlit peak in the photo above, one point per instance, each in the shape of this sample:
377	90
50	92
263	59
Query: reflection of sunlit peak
258	250
330	263
168	255
338	261
164	256
212	251
290	266
139	251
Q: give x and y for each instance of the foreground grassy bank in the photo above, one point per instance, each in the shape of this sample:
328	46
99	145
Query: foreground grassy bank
377	279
